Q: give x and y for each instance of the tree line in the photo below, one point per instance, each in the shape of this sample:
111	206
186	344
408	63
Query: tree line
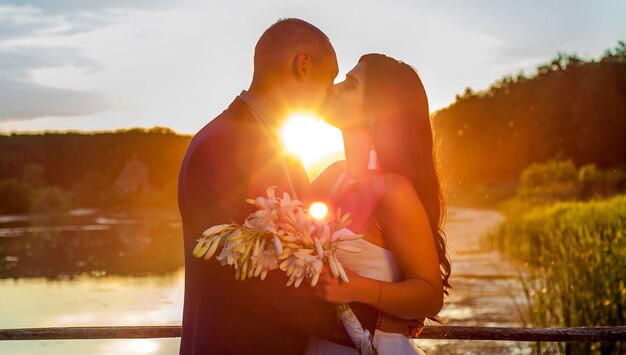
55	171
571	108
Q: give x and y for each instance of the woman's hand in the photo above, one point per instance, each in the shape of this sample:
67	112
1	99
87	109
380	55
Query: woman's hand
410	328
333	290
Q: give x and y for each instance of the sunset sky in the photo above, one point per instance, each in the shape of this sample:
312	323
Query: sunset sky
94	65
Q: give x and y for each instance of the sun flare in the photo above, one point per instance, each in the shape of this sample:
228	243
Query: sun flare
318	210
316	142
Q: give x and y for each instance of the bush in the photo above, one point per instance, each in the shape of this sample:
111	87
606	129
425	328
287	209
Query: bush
51	200
16	197
594	182
554	181
34	175
93	190
550	181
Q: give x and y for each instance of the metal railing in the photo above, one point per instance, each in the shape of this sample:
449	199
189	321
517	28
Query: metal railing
574	334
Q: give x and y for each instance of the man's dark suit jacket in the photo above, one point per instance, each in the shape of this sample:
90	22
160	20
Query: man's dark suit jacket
227	161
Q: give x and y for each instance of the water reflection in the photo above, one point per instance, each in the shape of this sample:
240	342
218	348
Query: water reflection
73	269
88	301
92	347
90	241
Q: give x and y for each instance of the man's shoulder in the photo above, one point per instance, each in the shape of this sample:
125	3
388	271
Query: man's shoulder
224	132
228	138
236	119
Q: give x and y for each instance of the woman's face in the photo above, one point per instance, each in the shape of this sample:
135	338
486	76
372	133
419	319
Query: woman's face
344	105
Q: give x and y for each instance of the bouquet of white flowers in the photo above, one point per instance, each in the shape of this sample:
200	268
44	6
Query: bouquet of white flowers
282	234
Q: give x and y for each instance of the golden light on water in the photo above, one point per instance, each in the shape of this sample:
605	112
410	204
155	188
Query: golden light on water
316	142
143	346
318	210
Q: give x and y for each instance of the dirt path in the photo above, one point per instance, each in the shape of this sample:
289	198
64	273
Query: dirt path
485	291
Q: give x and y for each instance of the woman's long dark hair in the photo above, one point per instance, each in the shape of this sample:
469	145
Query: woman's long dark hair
395	102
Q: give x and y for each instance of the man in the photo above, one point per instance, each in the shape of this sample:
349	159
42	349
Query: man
234	157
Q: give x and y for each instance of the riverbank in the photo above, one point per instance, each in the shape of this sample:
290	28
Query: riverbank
486	291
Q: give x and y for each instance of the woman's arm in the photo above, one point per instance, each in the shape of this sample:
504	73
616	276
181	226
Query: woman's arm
407	232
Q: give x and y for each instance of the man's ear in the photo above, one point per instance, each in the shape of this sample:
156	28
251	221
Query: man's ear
302	66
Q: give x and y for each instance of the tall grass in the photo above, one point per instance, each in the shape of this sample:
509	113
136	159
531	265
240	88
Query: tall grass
574	257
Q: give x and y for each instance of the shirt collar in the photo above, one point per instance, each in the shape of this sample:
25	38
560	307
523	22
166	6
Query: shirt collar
259	109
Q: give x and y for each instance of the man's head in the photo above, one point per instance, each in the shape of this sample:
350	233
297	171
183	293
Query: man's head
296	62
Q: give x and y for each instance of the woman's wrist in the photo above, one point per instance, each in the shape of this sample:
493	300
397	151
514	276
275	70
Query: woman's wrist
367	291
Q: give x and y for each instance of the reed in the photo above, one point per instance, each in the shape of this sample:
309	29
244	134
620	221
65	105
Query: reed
573	261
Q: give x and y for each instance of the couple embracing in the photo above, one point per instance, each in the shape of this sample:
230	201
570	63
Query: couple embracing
388	183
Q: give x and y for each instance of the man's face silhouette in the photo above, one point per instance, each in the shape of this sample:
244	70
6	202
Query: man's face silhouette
314	80
328	72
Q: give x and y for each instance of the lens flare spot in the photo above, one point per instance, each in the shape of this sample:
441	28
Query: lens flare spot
318	210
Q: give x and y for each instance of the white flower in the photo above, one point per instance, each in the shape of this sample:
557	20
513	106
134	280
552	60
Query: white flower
260	220
302	264
277	244
202	247
345	234
271	192
336	268
314	269
215	230
234	248
288	204
318	247
280	234
324	232
264	262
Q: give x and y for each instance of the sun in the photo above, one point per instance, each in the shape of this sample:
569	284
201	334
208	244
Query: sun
316	142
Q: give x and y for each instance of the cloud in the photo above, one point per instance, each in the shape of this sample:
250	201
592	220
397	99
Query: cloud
21	98
28	21
181	63
536	29
75	6
16	22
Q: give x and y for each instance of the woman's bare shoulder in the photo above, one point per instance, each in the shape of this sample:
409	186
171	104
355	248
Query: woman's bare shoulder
397	184
399	193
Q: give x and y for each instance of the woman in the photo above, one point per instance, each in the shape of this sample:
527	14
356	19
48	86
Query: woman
389	184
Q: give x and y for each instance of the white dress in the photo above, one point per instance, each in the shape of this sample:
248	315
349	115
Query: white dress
377	263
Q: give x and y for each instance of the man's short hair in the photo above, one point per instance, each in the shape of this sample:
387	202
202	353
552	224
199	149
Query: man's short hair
286	38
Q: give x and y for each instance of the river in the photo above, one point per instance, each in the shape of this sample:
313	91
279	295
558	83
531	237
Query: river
485	293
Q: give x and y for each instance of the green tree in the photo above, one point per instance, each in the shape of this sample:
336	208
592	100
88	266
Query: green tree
572	107
93	190
50	200
16	197
34	175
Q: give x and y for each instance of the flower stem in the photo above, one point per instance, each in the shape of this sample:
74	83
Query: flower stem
361	338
